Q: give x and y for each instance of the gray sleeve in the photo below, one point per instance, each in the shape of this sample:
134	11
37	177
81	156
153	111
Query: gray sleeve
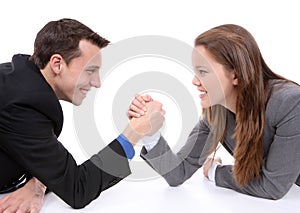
281	164
177	168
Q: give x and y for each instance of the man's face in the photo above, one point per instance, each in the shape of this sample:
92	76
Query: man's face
81	74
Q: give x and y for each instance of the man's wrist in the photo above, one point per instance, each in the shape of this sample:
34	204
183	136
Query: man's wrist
127	146
132	136
39	185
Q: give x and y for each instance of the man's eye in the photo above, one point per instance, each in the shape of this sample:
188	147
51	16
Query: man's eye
90	71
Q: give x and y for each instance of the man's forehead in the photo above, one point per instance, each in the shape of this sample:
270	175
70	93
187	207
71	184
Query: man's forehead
95	60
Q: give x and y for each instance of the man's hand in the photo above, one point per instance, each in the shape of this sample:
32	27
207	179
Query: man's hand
147	124
28	199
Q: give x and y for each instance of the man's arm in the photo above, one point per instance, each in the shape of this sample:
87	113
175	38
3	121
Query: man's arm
43	156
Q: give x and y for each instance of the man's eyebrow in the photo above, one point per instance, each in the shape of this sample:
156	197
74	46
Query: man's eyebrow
94	67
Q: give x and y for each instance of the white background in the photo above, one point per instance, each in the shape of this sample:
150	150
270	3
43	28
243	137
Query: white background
274	24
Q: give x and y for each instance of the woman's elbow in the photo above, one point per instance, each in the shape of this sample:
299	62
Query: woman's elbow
174	182
277	196
276	193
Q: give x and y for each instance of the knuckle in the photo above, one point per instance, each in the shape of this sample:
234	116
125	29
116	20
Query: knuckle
136	102
132	107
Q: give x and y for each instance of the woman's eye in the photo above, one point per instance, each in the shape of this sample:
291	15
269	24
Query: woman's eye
202	72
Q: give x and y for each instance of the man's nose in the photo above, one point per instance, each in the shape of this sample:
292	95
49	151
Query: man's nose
95	81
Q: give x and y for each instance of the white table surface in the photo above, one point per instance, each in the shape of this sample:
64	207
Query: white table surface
197	194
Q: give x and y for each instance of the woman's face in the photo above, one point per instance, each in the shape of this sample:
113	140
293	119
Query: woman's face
215	84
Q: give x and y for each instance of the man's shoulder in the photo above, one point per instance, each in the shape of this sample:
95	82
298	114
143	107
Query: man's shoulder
5	68
24	90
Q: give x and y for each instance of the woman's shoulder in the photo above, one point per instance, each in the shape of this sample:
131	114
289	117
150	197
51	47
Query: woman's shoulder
280	90
284	98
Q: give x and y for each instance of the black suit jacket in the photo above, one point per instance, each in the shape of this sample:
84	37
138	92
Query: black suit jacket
31	120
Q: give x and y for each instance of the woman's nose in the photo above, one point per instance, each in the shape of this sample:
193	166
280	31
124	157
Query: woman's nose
196	81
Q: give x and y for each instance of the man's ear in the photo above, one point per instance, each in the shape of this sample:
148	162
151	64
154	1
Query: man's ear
56	63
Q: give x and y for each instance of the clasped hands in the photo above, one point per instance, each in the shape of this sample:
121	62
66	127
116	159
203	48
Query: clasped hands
146	118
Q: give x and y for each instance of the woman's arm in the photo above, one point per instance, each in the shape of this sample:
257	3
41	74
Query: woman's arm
177	168
280	168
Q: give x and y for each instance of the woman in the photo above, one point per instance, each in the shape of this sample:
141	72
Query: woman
252	111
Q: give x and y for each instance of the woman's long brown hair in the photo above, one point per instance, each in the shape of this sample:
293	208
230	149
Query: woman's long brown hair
236	49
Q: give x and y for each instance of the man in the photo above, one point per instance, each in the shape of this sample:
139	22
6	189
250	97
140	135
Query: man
64	66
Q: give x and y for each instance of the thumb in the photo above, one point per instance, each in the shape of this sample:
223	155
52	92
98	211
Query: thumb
147	98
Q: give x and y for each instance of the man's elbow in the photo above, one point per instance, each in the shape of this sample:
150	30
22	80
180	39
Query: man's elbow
79	202
78	205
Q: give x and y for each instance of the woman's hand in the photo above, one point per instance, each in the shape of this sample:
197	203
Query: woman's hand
209	162
137	107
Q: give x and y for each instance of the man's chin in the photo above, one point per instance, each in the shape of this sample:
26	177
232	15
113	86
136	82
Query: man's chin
77	102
